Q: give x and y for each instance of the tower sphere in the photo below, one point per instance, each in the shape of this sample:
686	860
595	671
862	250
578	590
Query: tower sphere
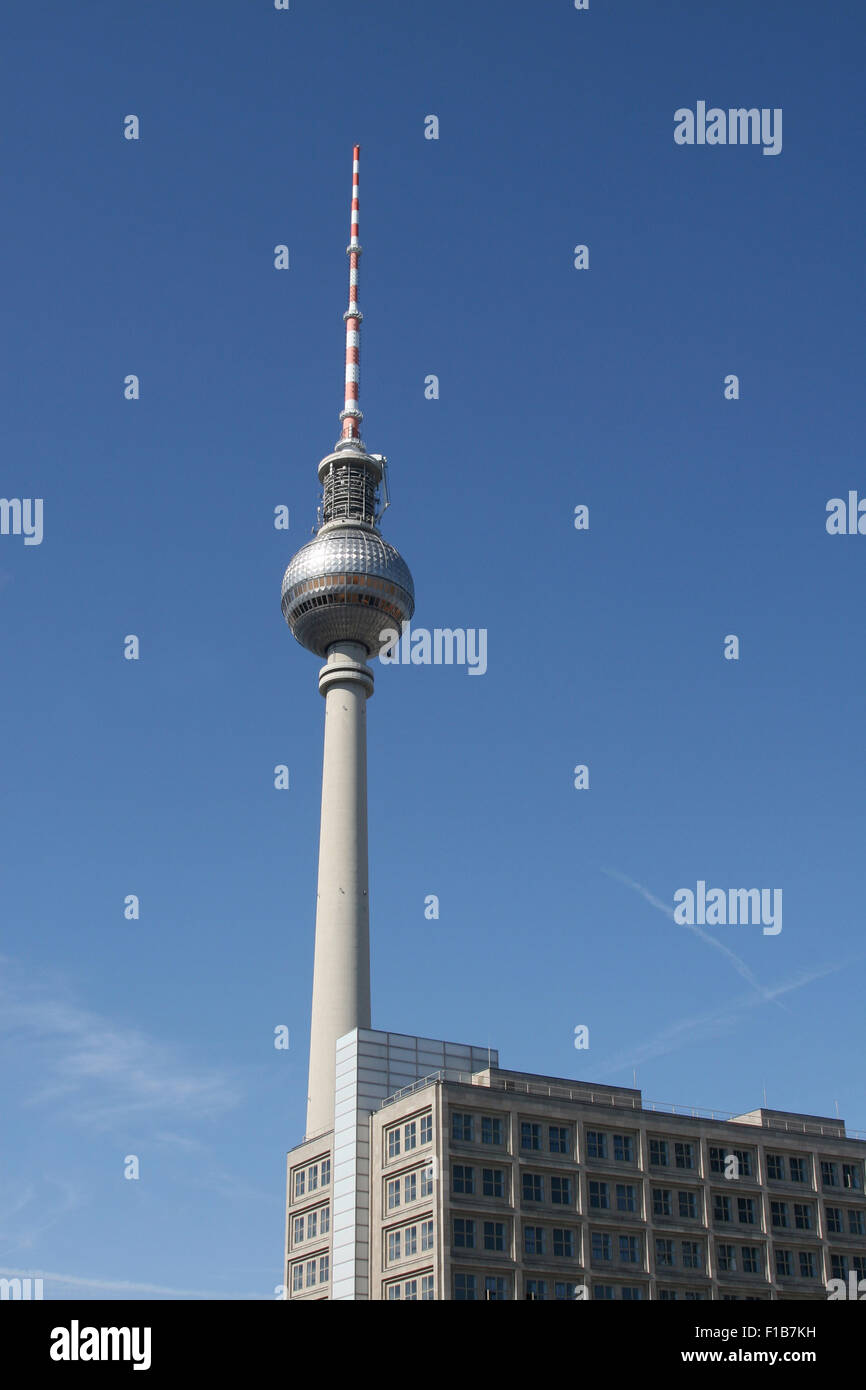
346	585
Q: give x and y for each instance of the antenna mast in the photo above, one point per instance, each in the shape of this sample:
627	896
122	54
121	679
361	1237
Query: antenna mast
351	416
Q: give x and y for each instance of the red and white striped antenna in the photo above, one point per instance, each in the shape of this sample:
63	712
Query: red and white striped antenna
351	416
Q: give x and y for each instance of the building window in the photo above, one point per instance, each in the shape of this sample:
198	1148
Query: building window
744	1160
298	1233
746	1211
393	1193
662	1202
632	1293
464	1233
717	1160
560	1191
605	1291
623	1148
313	1177
410	1136
563	1242
838	1266
300	1182
664	1253
798	1170
426	1129
427	1180
829	1174
802	1216
775	1167
684	1155
411	1289
852	1177
667	1295
410	1240
312	1224
751	1255
559	1139
297	1278
495	1288
494	1235
808	1268
533	1240
688	1205
784	1262
410	1187
856	1222
325	1172
564	1290
464	1288
626	1197
462	1179
834	1219
727	1258
393	1142
659	1155
721	1208
535	1288
599	1195
691	1254
393	1245
530	1135
427	1286
324	1220
779	1214
602	1246
492	1182
491	1130
533	1187
426	1235
628	1250
461	1128
596	1143
310	1274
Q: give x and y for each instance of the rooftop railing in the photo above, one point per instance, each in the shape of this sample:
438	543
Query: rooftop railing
624	1101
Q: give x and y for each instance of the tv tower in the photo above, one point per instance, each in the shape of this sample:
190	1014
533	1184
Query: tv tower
339	592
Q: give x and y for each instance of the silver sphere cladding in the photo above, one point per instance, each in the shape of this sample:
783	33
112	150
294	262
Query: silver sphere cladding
346	585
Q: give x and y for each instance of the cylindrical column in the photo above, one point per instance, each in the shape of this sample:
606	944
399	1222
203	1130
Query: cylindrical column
341	971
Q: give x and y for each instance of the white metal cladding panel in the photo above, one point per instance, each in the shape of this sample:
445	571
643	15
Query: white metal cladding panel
374	1075
371	1066
345	1146
369	1097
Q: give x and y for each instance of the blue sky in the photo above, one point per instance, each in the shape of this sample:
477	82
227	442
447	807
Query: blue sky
605	647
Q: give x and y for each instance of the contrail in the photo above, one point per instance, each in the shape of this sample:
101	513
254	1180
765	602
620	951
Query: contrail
671	1038
739	965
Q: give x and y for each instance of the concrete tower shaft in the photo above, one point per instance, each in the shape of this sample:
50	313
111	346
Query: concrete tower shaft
341	970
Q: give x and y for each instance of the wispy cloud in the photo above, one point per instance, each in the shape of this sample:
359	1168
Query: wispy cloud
119	1286
34	1210
107	1072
